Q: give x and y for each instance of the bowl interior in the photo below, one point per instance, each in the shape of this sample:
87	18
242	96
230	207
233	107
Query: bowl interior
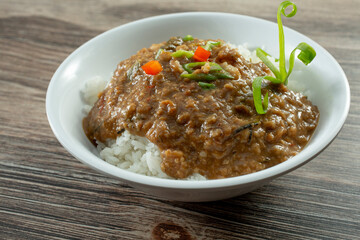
323	81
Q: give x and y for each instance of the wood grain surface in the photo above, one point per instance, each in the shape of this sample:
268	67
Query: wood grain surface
47	194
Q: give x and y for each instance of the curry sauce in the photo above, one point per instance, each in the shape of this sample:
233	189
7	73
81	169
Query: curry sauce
214	132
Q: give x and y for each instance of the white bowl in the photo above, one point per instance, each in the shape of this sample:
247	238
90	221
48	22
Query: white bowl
323	81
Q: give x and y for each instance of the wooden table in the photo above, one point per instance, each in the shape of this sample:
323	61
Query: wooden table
47	194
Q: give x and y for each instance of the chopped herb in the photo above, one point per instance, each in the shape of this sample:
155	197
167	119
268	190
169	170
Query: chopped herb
158	53
181	53
306	55
223	75
200	76
132	70
250	135
206	85
249	125
238	130
188	38
189	67
256	86
208	77
210	44
215	72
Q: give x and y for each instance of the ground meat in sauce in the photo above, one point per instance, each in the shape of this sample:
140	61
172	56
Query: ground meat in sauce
216	133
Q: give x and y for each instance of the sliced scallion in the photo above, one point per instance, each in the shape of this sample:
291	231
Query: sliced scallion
215	72
189	67
306	55
158	53
204	85
188	38
182	53
132	70
256	86
210	44
207	77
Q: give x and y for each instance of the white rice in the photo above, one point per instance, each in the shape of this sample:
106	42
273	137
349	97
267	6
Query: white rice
134	153
90	92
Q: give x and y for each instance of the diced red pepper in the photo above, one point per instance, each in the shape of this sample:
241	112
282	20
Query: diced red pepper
152	67
201	55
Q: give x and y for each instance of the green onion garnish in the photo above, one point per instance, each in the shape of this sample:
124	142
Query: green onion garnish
210	44
158	53
215	72
181	53
206	85
256	86
306	55
207	77
188	38
189	67
132	70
